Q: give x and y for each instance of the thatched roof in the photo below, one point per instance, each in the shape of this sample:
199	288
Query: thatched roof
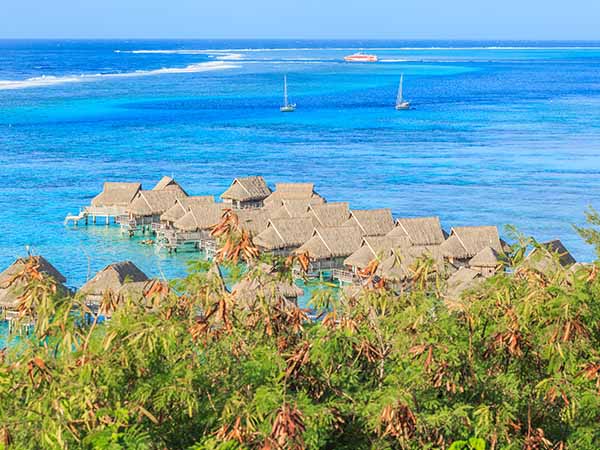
461	281
169	184
285	233
373	247
466	242
183	205
487	257
264	284
420	230
112	278
116	194
289	209
293	191
139	290
151	203
10	289
333	242
247	189
398	266
329	214
200	217
254	221
549	256
371	222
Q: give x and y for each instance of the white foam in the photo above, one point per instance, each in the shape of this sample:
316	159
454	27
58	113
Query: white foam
48	80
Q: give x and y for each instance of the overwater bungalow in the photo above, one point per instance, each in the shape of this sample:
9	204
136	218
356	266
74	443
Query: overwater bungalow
169	184
246	192
182	206
548	257
12	285
371	222
329	214
194	228
289	209
293	191
329	247
487	262
465	242
111	203
419	230
254	221
372	248
147	207
282	236
398	268
263	283
110	281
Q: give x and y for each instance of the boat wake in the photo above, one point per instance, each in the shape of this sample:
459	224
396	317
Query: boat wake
49	80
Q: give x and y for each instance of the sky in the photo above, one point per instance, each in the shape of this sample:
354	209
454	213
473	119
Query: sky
302	19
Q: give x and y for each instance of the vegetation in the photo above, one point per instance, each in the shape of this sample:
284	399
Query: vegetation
515	365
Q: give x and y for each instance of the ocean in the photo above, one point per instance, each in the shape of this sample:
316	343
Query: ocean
501	133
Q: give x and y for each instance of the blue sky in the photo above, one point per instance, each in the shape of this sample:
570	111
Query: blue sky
385	19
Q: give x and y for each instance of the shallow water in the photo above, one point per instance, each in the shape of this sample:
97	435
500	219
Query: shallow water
497	136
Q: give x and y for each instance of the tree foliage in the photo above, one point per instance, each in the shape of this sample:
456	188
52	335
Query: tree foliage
515	365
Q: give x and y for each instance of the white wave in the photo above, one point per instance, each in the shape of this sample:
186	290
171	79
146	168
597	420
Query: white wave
258	50
49	80
230	57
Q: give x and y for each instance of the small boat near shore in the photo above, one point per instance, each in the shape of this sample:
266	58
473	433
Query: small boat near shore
401	104
287	107
361	57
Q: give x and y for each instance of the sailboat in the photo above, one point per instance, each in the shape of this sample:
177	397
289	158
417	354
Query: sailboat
287	107
401	104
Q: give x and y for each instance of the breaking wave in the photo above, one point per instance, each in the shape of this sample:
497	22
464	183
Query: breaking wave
49	80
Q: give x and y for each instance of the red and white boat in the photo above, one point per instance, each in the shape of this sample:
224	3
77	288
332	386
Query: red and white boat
361	57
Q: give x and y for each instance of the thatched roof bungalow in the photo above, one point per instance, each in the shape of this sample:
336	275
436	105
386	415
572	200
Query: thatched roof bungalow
465	242
289	209
420	230
371	222
182	206
293	191
246	192
374	248
169	184
11	285
148	206
284	235
398	267
549	257
114	198
328	247
487	262
200	217
111	280
254	221
329	214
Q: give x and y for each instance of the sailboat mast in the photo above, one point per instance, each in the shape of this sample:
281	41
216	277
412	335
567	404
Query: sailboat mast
285	96
399	99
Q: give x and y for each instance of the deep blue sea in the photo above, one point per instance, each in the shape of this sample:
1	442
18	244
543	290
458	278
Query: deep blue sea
501	133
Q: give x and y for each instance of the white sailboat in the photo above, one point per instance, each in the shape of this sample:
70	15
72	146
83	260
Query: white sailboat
287	107
401	104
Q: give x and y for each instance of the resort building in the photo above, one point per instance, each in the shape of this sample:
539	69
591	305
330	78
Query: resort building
487	262
193	228
399	267
111	281
112	202
147	207
329	214
246	192
548	257
419	230
12	284
329	247
371	222
289	209
293	191
182	206
282	236
169	184
254	221
466	242
461	281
